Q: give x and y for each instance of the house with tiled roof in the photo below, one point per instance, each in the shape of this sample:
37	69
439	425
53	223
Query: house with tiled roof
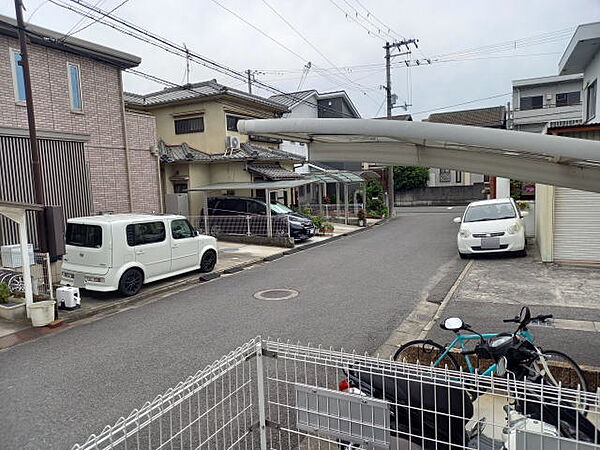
199	143
491	117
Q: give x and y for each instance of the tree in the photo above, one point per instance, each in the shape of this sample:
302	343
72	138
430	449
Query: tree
408	177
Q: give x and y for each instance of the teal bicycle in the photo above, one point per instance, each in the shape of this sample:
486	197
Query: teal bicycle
548	364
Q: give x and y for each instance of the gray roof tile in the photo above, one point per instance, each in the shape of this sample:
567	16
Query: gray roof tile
196	90
481	117
246	152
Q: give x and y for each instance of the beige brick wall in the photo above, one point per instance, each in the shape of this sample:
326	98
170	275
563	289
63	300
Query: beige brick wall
102	120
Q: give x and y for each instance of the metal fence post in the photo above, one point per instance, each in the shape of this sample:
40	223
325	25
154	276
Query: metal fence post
289	231
248	225
49	272
260	381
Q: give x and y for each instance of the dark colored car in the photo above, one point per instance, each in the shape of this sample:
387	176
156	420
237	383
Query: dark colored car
245	215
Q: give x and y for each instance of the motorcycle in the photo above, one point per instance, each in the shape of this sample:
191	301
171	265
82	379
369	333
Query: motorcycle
428	414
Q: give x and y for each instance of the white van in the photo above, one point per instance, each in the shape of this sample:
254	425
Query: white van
124	251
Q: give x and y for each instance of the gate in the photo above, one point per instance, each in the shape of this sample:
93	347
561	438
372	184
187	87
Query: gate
273	395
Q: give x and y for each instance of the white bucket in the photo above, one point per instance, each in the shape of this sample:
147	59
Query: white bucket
41	313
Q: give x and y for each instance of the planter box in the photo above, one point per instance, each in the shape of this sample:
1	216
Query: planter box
13	311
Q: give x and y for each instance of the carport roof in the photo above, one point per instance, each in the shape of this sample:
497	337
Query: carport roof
554	160
271	185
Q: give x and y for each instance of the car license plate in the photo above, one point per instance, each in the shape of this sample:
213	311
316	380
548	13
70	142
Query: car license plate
490	243
79	280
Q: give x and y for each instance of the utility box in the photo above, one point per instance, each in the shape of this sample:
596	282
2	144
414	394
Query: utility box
177	204
55	230
11	255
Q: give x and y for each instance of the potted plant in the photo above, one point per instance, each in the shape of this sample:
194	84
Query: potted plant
11	308
326	227
362	218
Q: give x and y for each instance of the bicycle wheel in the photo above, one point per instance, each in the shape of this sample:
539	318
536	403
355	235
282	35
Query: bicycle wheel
562	369
425	352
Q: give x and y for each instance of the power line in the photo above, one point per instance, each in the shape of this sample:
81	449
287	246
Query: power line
349	16
302	58
80	21
366	19
369	13
314	47
135	31
463	103
71	33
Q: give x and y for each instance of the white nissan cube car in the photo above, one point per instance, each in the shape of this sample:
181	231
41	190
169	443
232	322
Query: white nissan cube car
124	251
491	226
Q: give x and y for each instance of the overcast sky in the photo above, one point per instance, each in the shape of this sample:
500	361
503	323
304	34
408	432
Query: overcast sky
442	27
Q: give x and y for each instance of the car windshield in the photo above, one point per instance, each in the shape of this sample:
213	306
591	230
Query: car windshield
497	211
280	208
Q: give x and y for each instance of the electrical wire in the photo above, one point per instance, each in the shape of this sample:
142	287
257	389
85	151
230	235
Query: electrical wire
143	35
94	21
462	103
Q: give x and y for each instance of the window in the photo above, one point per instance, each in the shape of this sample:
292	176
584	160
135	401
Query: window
536	102
18	75
458	176
191	125
75	87
81	235
257	208
568	98
145	233
181	229
591	102
180	188
445	176
232	122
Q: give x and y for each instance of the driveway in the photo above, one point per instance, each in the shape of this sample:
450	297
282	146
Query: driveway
353	292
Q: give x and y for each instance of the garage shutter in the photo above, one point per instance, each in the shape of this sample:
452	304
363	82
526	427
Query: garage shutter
576	225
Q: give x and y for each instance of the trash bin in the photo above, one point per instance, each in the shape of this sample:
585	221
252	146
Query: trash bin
41	313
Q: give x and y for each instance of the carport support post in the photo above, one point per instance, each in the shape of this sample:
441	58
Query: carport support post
268	202
346	203
337	196
25	261
320	186
205	209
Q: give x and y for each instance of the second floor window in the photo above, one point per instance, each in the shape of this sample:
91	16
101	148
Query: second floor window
568	98
591	101
232	122
535	102
18	76
75	87
189	125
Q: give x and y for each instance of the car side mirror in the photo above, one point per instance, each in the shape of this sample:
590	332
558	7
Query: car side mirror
453	324
457	220
524	213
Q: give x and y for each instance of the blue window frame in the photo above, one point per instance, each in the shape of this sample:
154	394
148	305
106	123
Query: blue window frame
18	76
75	87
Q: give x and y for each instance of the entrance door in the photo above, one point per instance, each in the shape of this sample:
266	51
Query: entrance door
184	246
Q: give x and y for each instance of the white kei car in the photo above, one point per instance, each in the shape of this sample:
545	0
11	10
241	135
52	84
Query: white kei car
491	226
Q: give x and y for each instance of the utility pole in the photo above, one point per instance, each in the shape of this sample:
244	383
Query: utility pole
36	167
390	100
249	73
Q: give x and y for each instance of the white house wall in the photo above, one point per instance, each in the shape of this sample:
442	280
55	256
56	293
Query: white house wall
592	72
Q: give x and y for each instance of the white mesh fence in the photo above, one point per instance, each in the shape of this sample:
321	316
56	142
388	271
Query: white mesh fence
274	395
241	225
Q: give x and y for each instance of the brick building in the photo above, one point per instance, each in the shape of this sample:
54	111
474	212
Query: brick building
96	156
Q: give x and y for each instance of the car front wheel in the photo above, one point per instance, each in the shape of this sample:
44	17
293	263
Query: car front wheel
131	282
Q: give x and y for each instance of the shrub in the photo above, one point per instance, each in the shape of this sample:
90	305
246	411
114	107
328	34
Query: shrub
408	177
4	292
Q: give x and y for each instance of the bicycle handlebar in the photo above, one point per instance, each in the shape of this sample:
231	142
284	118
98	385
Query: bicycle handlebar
540	318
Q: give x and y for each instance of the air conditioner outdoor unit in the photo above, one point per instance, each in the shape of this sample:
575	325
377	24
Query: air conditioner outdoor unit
233	142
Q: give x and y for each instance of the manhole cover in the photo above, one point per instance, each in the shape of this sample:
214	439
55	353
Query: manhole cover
276	294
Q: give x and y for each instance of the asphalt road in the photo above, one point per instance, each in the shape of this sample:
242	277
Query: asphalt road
353	292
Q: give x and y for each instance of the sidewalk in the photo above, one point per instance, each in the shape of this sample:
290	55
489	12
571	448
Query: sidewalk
497	287
233	257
